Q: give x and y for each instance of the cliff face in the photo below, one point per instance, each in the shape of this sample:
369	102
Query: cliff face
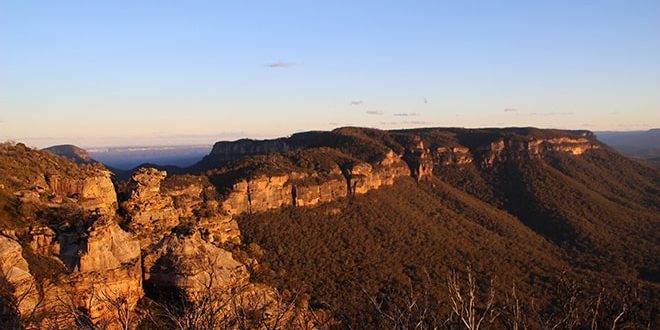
367	159
444	156
507	149
105	265
178	233
362	177
15	270
85	266
191	266
266	192
92	193
153	213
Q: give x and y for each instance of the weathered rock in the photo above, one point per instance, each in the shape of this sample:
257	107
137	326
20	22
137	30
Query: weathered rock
15	270
217	228
363	177
420	160
145	183
150	214
43	241
445	156
191	266
105	265
517	149
310	194
269	192
259	194
92	193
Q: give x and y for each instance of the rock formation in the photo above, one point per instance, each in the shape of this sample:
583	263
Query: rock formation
264	192
149	213
105	265
444	156
15	270
369	159
91	193
178	233
190	266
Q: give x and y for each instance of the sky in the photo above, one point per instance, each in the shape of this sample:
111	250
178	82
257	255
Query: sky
117	73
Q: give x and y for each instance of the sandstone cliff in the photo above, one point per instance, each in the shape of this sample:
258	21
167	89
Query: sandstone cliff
261	191
15	270
179	234
190	266
105	265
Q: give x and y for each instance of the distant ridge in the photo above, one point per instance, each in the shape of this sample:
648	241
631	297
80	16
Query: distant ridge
75	153
639	144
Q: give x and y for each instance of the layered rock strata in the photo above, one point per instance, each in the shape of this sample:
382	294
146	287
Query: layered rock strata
263	192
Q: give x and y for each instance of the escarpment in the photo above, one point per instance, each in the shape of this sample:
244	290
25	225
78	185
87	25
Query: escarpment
319	180
71	237
256	176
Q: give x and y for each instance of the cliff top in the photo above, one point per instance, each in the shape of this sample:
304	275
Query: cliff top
372	145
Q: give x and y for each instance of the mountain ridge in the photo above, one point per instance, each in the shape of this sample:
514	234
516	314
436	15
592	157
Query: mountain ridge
346	214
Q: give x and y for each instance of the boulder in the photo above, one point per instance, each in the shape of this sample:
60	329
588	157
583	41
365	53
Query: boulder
190	266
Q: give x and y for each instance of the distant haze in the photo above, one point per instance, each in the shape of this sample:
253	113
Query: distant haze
128	158
640	144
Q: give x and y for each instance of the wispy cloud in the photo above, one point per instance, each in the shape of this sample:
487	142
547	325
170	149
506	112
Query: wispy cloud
406	114
375	112
550	113
280	64
357	102
510	110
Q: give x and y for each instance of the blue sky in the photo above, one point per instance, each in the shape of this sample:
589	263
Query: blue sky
173	72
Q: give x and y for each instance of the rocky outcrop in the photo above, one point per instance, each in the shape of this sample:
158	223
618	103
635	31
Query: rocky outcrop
226	151
419	159
153	213
102	264
43	241
368	159
445	156
519	149
94	192
105	265
363	177
268	192
191	266
570	145
150	214
15	271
